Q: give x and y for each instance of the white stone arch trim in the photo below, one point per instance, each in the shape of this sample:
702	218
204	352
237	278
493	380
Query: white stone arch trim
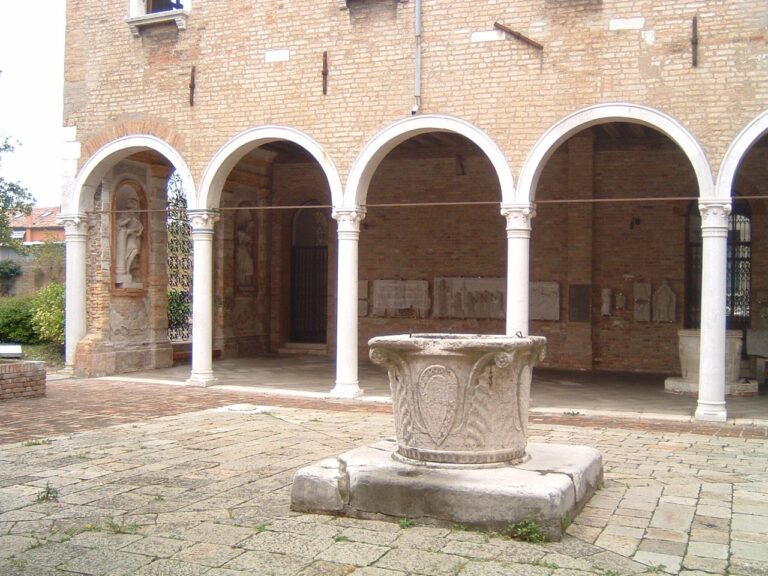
106	157
736	153
602	114
381	144
233	151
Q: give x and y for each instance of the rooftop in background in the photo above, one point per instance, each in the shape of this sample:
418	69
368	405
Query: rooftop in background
41	225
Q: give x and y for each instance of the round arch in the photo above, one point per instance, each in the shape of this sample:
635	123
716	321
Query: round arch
602	114
736	153
233	151
113	152
382	144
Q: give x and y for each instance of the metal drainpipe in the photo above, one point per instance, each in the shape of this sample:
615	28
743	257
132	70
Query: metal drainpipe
417	89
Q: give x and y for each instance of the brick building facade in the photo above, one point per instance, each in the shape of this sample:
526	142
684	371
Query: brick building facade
365	167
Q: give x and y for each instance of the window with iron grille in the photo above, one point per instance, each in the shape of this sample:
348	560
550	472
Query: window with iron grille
739	267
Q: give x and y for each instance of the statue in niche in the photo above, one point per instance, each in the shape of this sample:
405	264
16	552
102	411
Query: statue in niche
664	304
621	301
245	269
129	230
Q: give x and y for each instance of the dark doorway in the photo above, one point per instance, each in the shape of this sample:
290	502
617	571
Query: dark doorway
309	275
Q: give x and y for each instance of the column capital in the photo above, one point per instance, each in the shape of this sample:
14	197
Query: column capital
203	220
518	216
349	219
75	225
715	214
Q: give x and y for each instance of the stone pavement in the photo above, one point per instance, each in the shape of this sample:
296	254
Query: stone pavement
208	492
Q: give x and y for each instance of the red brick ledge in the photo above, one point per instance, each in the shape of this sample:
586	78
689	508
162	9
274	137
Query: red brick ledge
21	379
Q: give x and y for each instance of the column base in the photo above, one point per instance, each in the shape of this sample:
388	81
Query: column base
711	411
201	379
346	390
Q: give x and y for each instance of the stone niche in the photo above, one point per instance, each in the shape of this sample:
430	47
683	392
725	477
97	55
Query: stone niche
127	276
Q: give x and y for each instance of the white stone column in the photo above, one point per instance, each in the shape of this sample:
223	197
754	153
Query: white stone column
715	220
347	385
518	262
76	236
202	222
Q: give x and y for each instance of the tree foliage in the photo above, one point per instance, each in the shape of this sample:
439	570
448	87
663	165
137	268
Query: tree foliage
48	313
9	270
14	199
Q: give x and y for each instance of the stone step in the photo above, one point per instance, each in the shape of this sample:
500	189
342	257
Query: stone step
303	348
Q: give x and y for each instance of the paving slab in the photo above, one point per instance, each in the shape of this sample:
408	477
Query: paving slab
187	483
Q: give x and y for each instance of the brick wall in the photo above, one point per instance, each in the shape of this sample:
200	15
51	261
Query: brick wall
21	379
505	87
594	52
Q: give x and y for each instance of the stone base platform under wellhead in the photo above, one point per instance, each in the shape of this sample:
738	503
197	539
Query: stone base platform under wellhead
550	487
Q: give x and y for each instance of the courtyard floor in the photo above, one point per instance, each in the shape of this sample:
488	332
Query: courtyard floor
131	477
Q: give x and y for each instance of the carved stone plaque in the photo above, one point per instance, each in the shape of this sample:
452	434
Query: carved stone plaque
481	298
401	298
605	301
642	296
664	304
545	301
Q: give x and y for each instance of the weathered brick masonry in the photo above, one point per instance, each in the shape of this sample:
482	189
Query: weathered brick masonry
21	379
595	52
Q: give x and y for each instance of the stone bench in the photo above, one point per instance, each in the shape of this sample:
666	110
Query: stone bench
10	350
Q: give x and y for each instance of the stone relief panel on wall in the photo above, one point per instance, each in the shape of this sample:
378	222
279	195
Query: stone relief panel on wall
606	295
401	299
128	237
128	322
544	301
642	295
244	250
479	298
664	304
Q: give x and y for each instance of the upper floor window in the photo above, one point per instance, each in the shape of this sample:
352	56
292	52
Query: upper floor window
144	13
163	5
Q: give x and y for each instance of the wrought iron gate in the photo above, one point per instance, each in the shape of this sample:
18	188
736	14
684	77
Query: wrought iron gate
179	264
309	293
739	272
309	274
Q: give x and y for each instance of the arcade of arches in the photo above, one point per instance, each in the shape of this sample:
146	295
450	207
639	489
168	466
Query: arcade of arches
609	270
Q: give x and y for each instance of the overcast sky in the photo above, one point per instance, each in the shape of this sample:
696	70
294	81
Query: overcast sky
32	64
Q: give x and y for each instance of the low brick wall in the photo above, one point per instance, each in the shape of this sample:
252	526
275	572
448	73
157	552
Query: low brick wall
21	379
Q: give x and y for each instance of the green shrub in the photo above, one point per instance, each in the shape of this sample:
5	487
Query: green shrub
48	313
16	320
179	309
